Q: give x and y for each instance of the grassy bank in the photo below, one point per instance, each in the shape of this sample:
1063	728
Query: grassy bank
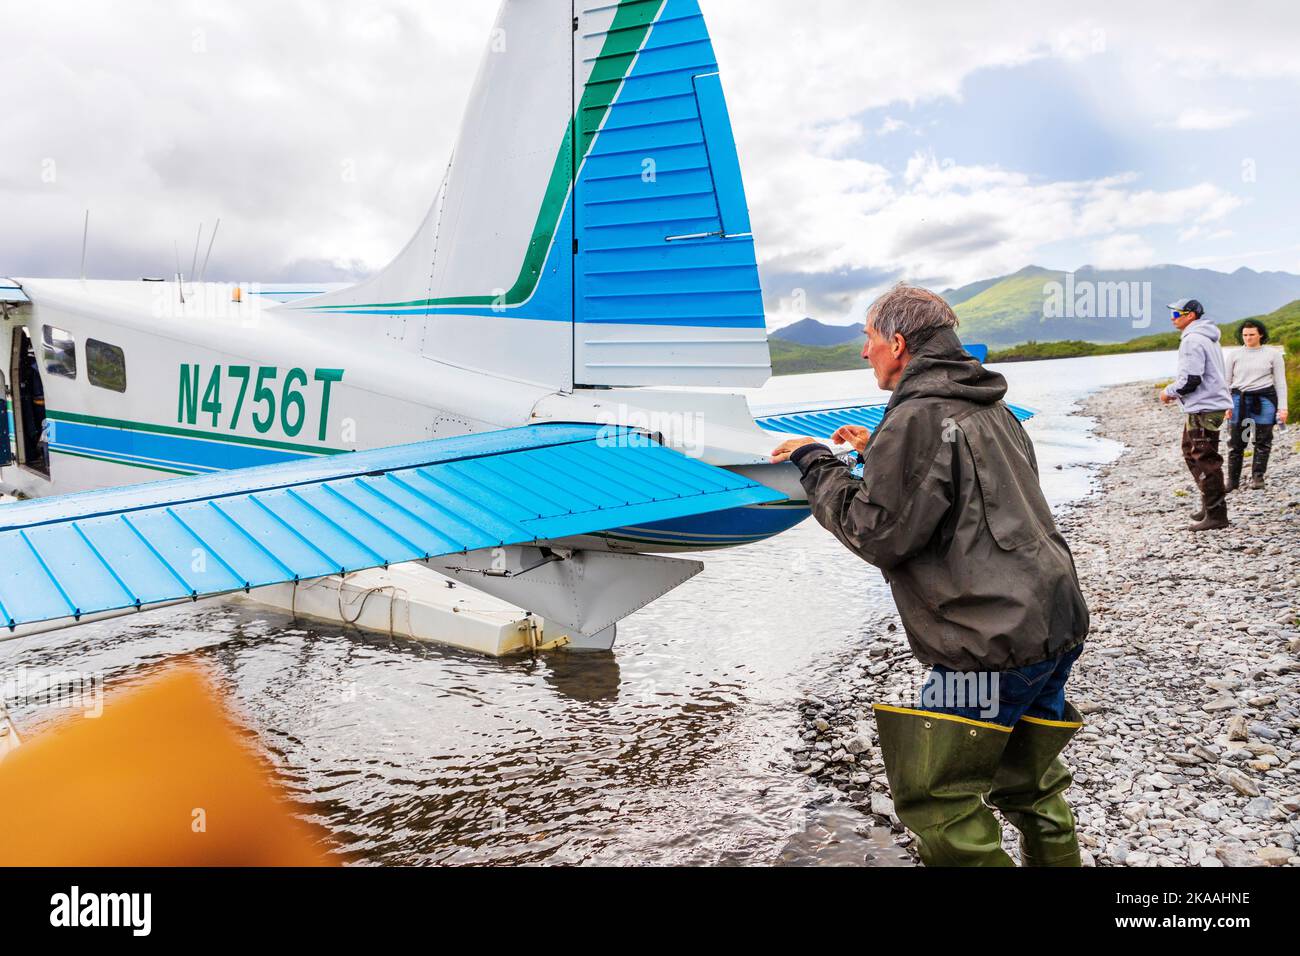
791	358
1074	348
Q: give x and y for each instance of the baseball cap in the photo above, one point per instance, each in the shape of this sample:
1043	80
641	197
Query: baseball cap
1187	305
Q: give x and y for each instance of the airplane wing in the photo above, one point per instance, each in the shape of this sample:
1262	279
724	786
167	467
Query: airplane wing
140	546
822	421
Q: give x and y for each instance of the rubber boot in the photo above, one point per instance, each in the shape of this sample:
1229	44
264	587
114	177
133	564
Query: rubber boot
1214	502
1199	513
1029	789
1200	446
1236	457
939	769
1214	519
1263	449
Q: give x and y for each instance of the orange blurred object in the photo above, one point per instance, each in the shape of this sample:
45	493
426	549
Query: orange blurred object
163	777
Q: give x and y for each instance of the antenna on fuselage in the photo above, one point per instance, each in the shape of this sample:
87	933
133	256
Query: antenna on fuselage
180	279
194	261
85	234
207	255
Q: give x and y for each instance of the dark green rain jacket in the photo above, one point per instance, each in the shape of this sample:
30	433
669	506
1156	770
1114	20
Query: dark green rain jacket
950	509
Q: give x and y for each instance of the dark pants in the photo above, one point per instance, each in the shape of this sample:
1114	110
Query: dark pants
1201	452
1002	697
1262	417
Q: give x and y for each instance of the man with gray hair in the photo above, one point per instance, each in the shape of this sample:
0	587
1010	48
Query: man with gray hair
950	509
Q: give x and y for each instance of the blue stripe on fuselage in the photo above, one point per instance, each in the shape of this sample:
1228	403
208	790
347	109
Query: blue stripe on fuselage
130	446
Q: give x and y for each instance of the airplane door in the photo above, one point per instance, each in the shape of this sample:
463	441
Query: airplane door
28	405
6	455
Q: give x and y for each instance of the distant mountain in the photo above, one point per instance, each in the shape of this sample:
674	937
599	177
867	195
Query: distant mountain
1108	305
812	332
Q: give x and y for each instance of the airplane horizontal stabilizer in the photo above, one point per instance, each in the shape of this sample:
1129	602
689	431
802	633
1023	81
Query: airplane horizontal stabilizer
147	545
822	422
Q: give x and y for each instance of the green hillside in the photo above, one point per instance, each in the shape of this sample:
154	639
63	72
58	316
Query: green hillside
1010	310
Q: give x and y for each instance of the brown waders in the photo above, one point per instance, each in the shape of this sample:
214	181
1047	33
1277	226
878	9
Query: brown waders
1201	453
945	772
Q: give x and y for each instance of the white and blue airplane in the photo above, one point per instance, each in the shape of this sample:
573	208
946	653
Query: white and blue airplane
491	404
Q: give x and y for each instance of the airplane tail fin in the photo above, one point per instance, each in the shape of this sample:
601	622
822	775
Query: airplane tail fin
592	226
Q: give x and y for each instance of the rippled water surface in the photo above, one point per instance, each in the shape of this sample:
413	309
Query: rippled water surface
666	750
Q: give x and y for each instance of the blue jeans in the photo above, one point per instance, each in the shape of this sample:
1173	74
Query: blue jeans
1001	697
1267	411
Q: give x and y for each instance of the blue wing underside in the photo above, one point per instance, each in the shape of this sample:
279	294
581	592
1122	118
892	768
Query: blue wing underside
146	545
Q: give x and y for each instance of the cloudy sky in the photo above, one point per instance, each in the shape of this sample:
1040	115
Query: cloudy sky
937	142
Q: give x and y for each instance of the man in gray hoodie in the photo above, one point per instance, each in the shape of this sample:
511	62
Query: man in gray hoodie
1202	389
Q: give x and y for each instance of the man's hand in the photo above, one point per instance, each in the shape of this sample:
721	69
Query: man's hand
782	451
1165	397
1282	415
855	435
1227	414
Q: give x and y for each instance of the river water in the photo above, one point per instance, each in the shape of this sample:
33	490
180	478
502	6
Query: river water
668	750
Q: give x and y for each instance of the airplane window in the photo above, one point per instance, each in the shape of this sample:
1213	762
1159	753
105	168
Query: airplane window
106	365
59	352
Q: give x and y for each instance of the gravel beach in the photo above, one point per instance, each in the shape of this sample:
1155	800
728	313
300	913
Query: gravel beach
1190	680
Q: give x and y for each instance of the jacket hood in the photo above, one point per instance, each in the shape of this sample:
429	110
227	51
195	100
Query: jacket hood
1203	327
941	368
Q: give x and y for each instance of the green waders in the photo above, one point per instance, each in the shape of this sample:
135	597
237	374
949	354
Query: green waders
942	767
1029	789
939	768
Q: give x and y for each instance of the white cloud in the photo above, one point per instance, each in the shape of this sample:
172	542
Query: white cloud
1198	118
943	222
1123	250
316	131
259	126
950	224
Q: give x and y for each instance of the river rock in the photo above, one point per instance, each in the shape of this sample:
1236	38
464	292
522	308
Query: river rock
1273	855
1239	782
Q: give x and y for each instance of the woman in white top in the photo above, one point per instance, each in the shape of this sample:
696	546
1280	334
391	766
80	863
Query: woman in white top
1257	378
